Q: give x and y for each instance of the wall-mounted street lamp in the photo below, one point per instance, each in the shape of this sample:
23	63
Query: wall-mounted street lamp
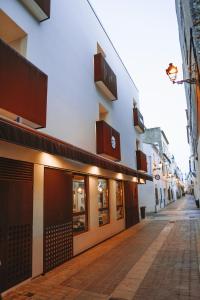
172	72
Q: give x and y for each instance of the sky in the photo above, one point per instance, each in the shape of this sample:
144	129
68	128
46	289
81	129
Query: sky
145	34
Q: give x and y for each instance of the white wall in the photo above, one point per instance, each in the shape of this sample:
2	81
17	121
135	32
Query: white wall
63	47
146	196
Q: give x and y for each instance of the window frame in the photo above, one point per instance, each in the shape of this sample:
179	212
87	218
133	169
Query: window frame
85	212
108	200
120	205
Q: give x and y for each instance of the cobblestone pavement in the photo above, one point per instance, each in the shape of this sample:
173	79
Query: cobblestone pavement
157	259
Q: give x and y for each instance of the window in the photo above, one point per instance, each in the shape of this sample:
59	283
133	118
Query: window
119	200
103	201
79	204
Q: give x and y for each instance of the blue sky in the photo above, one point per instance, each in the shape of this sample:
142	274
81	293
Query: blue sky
145	34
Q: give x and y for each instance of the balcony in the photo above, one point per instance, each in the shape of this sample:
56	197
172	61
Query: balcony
107	141
141	161
138	120
104	77
23	87
40	9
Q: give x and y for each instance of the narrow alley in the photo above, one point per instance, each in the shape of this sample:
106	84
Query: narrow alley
159	258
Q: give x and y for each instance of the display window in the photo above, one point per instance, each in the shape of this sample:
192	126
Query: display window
119	200
80	214
103	201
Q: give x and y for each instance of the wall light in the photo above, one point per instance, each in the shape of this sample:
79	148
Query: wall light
172	72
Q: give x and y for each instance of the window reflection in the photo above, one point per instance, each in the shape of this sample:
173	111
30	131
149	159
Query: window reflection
103	201
79	204
119	200
78	194
79	223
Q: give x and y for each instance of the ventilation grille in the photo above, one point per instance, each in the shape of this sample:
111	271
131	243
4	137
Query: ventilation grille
15	170
58	245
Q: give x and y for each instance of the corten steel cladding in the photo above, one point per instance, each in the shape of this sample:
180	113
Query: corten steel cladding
104	135
15	133
23	87
138	120
105	77
44	5
131	203
58	234
16	218
141	161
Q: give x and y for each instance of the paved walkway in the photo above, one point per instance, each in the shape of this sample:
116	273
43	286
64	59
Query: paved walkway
155	260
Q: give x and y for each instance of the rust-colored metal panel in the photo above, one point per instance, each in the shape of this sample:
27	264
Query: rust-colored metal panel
16	214
138	120
131	203
40	9
58	235
104	77
45	6
107	141
23	87
141	161
27	137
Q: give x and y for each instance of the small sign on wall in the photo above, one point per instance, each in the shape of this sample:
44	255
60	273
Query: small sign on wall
157	177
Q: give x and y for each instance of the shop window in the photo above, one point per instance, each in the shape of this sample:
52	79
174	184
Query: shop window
103	201
80	215
119	200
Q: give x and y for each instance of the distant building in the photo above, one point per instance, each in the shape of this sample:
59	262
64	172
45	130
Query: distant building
167	185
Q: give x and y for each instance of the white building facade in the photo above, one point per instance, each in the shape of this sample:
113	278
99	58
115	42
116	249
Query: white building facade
168	184
70	149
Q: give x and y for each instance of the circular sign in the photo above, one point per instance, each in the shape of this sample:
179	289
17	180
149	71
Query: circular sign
113	142
157	177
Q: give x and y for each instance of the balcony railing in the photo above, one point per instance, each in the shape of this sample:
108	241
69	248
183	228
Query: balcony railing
107	141
104	77
141	161
138	120
40	9
23	88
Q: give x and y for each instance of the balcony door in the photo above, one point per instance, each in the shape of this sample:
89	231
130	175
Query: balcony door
16	218
58	231
131	203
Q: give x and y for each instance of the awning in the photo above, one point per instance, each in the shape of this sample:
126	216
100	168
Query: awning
15	133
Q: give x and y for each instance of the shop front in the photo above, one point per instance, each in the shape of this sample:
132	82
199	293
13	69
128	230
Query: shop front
56	201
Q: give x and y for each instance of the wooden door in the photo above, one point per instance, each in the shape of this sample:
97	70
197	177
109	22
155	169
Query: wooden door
58	231
16	219
131	203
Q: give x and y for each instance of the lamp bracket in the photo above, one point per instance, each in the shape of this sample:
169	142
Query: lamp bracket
189	80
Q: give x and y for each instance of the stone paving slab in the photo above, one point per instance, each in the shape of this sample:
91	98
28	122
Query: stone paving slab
97	271
174	273
146	262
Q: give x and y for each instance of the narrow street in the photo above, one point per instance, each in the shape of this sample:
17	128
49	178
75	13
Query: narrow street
158	258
